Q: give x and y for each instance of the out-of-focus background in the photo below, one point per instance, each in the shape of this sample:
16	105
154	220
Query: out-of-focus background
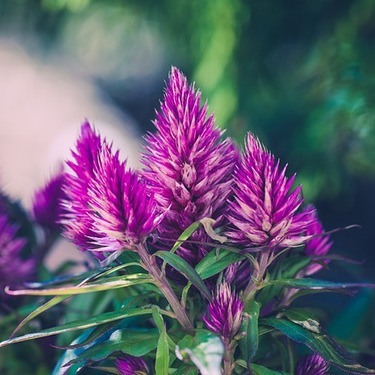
300	74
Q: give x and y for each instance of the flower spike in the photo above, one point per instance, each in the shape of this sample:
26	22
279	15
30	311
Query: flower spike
264	212
318	245
129	365
312	365
107	208
188	167
224	312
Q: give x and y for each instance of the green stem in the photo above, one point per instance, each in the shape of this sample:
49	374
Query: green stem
230	346
162	283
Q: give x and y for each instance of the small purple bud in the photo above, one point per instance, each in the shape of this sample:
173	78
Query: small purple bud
312	365
129	365
224	314
13	268
46	207
265	209
318	245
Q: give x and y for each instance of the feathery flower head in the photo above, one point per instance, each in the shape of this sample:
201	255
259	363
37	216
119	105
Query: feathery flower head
122	212
13	269
312	365
188	167
108	208
46	207
224	312
129	365
317	245
264	211
75	218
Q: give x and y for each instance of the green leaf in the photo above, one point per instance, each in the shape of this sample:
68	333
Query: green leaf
317	284
216	261
162	351
303	317
182	266
128	341
251	340
52	302
162	354
322	344
185	235
258	369
79	324
108	283
205	350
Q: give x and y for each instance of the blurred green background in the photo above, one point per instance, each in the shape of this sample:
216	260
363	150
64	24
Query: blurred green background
298	73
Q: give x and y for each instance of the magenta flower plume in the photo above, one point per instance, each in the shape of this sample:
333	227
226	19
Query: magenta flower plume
75	218
46	207
264	212
188	167
121	211
107	207
318	245
129	365
312	365
224	312
13	268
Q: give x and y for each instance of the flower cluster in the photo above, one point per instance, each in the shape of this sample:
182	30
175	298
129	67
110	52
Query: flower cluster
246	256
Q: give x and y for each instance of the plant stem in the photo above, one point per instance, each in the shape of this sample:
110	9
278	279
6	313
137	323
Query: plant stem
162	283
265	259
230	346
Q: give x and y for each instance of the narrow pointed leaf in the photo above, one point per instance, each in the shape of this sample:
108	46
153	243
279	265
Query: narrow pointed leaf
322	344
182	266
318	284
215	262
251	340
79	324
109	283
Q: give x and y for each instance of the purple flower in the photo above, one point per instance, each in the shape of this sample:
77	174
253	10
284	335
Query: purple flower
264	212
188	167
317	246
46	207
129	365
107	207
121	211
13	268
224	312
312	365
75	218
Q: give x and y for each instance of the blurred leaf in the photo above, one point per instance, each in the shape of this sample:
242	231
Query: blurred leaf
205	350
259	370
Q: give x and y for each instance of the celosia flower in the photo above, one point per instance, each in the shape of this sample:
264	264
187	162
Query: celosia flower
129	365
318	245
108	208
13	268
188	167
312	365
75	218
121	211
224	312
264	212
46	207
